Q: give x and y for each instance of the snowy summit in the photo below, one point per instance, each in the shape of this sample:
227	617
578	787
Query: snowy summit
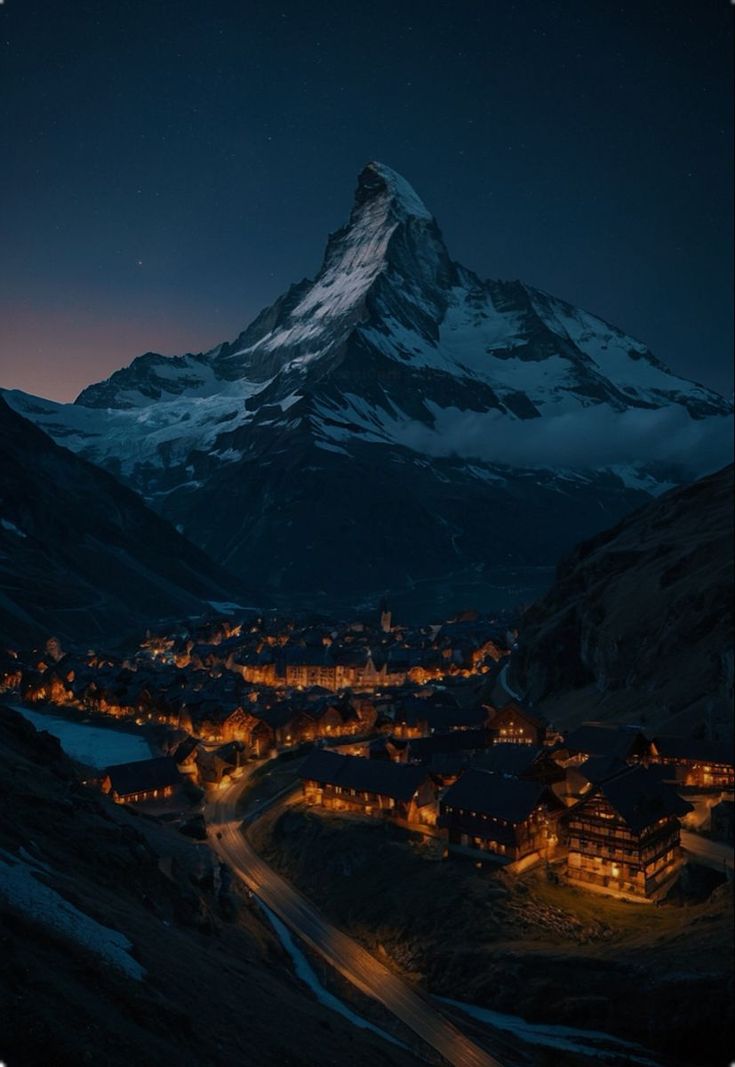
396	391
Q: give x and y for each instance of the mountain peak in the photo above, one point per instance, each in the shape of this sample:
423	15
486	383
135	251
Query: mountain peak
378	181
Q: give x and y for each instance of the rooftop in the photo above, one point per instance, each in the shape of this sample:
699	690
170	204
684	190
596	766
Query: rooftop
394	780
497	795
143	776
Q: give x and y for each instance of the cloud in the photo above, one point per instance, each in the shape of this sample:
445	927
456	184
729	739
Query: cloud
590	437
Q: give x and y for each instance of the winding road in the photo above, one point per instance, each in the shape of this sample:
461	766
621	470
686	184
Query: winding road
346	956
715	854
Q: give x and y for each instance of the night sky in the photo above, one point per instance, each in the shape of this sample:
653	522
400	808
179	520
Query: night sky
168	168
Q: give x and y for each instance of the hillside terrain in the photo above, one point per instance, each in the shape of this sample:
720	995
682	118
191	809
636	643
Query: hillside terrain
659	977
638	626
81	556
123	943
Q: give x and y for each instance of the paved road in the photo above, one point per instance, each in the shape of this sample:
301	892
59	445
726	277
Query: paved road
503	682
710	853
340	951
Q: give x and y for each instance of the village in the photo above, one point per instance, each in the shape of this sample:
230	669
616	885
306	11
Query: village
408	725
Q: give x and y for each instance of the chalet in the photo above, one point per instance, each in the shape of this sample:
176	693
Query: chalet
290	725
148	779
334	718
596	739
366	711
215	766
693	762
422	717
214	720
371	787
494	816
624	835
261	737
516	725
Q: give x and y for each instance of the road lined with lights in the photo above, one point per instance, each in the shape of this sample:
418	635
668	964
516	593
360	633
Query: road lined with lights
341	952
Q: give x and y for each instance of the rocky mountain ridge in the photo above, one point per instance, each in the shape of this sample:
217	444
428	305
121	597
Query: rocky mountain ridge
399	382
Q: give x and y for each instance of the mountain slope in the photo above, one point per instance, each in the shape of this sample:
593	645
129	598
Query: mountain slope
190	988
399	396
80	555
638	626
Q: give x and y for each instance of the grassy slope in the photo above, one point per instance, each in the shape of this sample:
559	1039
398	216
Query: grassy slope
656	975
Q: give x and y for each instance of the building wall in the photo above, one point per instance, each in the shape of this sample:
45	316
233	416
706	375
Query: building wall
260	674
338	798
136	798
701	775
483	833
514	728
605	853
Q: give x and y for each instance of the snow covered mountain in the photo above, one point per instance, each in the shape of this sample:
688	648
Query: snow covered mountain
396	420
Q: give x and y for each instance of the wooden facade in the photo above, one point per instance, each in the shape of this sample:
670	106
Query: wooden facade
514	725
499	817
150	779
696	763
624	836
369	787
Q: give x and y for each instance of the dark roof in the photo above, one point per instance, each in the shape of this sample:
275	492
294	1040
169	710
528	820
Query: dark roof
380	745
448	764
320	707
406	657
230	752
695	749
185	749
598	740
349	657
369	775
299	656
600	768
641	798
423	749
438	717
213	711
282	713
495	794
509	759
144	775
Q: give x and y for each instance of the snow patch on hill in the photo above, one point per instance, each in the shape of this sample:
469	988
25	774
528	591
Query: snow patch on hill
21	888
